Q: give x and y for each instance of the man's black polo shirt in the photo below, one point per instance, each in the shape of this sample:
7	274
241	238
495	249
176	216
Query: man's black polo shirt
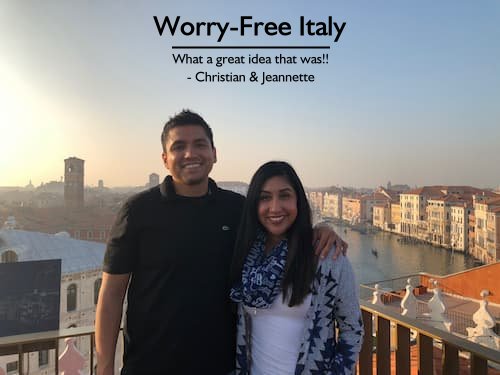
179	252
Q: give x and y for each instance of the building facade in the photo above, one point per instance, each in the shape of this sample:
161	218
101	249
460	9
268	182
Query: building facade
395	224
81	278
369	202
316	201
414	210
332	205
459	234
352	209
487	228
382	216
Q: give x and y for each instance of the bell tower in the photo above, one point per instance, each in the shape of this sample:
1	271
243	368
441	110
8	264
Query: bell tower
73	182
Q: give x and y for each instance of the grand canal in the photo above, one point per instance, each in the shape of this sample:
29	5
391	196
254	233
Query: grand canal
396	259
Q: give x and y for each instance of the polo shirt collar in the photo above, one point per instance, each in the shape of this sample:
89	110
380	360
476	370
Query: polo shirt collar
168	193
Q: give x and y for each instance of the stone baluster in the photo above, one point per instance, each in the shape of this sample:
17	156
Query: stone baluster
377	296
409	302
438	309
71	361
483	332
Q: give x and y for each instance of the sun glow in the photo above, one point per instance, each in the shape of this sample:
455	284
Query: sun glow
28	134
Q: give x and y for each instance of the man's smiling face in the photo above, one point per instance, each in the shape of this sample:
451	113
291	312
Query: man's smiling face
189	156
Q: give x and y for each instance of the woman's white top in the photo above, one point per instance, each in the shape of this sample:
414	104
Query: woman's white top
276	336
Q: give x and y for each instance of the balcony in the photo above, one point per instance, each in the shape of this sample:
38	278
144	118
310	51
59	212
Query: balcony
20	345
387	345
436	351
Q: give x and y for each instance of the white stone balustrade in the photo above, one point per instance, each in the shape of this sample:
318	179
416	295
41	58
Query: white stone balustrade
483	332
409	302
71	361
437	309
377	296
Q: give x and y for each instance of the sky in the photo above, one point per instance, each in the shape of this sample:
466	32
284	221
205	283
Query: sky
410	94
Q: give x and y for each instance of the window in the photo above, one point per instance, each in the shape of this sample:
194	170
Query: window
11	367
43	358
480	223
9	256
97	287
71	298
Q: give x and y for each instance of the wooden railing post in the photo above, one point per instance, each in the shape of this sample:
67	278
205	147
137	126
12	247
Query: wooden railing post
20	361
92	339
403	351
478	365
425	355
366	354
56	364
383	346
450	359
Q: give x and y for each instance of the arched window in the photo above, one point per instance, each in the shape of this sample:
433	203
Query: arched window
71	298
9	256
97	287
43	358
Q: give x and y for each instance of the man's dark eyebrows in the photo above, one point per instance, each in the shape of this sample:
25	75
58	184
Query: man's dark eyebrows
201	140
178	142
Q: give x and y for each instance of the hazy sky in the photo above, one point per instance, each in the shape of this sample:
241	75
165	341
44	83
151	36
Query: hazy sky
411	92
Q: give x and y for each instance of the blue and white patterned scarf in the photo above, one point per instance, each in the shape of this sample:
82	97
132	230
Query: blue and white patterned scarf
261	275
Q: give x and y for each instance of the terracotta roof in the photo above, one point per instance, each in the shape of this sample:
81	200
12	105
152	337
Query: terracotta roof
427	190
57	219
437	190
456	198
391	194
493	202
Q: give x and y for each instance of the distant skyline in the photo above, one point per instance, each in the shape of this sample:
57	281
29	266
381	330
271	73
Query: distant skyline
92	185
410	93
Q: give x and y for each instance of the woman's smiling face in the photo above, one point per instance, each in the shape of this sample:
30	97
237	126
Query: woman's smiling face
277	208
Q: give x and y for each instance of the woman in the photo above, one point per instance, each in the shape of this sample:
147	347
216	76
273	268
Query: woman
289	304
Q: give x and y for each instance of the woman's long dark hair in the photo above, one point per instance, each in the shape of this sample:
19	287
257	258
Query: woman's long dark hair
301	262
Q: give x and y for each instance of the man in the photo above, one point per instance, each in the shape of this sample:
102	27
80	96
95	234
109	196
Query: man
172	247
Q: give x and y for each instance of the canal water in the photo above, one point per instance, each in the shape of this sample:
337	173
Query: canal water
396	259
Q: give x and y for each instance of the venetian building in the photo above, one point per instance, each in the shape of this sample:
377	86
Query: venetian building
81	276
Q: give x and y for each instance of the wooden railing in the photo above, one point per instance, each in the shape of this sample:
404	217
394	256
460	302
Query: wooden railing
427	338
48	340
375	353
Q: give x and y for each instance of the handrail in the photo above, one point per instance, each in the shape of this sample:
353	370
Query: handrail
29	338
441	278
435	333
394	279
20	344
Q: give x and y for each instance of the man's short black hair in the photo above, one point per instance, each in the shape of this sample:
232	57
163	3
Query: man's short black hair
186	117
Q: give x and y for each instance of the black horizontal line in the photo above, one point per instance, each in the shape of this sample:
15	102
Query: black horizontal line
250	47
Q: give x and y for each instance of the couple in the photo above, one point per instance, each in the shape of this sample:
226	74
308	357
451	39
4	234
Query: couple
172	247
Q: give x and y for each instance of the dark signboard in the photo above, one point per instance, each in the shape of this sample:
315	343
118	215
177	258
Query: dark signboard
29	296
